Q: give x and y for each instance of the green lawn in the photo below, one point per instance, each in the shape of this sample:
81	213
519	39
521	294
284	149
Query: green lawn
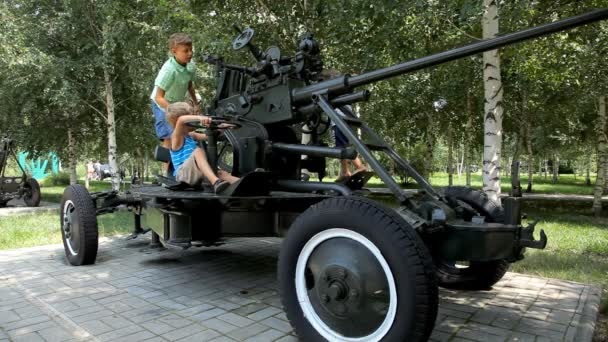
17	231
567	183
577	250
54	193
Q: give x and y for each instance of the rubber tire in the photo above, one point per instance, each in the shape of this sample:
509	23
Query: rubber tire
34	199
479	275
404	251
84	209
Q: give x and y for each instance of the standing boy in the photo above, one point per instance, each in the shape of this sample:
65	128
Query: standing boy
174	81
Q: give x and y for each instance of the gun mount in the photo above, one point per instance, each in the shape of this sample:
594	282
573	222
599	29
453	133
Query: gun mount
350	268
24	186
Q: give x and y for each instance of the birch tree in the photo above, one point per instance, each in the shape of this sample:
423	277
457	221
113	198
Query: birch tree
602	157
493	109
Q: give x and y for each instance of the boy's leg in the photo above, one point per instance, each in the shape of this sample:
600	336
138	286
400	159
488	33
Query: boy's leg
344	168
203	165
167	145
359	167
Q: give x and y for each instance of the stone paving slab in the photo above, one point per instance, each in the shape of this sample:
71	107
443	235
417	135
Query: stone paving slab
229	293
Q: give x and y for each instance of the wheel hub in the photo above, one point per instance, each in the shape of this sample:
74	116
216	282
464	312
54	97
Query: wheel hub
70	228
348	288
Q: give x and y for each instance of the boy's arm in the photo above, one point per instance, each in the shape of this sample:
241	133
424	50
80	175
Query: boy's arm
160	98
193	95
180	130
198	136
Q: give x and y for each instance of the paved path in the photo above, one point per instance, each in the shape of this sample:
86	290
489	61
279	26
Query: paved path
229	293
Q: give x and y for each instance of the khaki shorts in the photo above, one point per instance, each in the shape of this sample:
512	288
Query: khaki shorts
189	172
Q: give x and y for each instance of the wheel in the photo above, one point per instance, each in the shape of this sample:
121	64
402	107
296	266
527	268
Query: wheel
472	275
79	226
351	269
31	196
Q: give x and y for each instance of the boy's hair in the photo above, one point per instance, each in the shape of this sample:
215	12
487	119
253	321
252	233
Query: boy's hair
177	109
179	39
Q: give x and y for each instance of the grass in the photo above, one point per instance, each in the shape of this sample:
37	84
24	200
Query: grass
567	184
577	250
18	231
54	193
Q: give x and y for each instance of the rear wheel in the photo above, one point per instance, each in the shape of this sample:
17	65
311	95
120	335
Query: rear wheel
472	275
350	269
79	226
31	195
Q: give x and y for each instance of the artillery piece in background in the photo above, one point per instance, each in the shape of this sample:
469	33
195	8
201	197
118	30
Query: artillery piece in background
350	268
24	186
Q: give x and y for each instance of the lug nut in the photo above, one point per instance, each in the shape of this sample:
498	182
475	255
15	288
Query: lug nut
353	293
325	298
341	274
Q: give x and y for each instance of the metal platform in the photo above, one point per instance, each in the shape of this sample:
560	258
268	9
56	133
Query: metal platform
158	191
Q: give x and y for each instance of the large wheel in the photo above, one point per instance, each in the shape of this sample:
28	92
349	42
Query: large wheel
472	275
351	269
79	226
31	196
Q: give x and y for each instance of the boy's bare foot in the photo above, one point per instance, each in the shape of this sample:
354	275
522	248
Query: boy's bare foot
223	175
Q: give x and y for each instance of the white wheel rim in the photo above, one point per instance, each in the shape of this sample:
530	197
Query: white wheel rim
67	220
302	293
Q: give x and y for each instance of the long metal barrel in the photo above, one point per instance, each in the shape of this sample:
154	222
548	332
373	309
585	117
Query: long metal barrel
303	94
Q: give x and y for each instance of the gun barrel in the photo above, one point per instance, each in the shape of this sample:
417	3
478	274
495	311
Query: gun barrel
345	83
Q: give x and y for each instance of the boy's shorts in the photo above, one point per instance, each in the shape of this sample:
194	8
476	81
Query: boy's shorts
162	127
189	173
341	140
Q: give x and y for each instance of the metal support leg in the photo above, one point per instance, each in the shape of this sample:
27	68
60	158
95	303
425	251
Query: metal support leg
155	241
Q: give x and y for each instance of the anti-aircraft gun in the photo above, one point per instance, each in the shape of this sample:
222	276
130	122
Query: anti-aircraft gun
350	268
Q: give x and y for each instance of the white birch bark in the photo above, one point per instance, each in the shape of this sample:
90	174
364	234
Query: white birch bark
493	110
111	126
450	157
530	156
602	157
467	144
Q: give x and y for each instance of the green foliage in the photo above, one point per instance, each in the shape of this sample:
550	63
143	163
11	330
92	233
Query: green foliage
58	179
57	52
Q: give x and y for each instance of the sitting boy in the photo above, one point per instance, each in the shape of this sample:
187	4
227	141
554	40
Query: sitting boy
189	160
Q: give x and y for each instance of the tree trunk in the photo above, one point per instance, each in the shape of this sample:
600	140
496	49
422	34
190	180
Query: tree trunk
602	157
467	141
72	157
450	157
546	167
146	160
588	171
430	142
530	156
555	169
493	105
111	125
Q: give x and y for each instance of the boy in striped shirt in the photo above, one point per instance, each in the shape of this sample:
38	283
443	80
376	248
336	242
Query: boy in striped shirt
189	160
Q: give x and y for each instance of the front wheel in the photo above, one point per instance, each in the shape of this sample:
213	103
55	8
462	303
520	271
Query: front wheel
31	195
350	269
79	226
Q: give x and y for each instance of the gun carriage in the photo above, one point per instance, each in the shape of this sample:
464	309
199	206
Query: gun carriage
350	268
24	187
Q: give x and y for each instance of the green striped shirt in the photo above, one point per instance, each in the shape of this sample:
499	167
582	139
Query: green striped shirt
174	78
